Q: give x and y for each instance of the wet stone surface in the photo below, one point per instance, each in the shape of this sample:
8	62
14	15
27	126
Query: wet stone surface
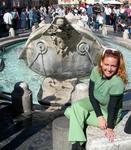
27	132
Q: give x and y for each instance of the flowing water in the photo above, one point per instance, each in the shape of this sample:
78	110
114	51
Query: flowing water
16	70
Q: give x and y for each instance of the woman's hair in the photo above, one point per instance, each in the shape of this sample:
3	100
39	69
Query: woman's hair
121	71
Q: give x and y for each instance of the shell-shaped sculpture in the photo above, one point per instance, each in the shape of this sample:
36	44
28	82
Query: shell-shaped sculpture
62	50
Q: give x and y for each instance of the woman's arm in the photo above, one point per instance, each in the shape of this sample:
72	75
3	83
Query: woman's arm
113	107
101	120
93	100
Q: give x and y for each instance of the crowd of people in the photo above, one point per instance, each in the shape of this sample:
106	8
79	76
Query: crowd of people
119	16
23	19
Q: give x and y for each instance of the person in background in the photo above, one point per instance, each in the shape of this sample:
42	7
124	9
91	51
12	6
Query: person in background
7	17
107	12
16	18
102	108
89	10
84	19
23	18
100	20
31	16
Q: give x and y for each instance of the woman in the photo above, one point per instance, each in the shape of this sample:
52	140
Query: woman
103	106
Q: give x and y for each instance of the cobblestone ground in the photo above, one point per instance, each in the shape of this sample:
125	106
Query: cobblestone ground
27	132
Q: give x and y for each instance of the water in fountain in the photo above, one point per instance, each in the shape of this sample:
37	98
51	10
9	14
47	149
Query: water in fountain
16	70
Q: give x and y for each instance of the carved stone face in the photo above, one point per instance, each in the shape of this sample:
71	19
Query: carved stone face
60	22
60	43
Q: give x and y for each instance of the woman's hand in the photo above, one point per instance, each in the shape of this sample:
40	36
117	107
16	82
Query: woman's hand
102	122
109	133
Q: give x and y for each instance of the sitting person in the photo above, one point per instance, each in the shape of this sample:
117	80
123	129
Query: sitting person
102	108
120	25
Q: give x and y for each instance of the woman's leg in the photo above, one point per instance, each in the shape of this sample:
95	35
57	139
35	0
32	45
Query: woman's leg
93	120
77	115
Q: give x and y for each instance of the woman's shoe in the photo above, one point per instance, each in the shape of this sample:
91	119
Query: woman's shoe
77	146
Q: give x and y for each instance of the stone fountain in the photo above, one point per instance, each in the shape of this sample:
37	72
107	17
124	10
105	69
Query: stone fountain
63	52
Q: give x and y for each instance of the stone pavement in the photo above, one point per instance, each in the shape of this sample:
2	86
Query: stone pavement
27	131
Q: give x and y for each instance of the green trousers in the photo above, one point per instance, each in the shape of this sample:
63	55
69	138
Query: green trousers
80	113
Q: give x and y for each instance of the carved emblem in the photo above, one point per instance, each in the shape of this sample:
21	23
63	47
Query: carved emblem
40	46
82	48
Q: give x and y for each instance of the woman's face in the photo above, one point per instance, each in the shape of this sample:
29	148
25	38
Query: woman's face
109	66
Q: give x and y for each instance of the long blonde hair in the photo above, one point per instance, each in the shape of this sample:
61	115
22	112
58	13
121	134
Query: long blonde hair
121	71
